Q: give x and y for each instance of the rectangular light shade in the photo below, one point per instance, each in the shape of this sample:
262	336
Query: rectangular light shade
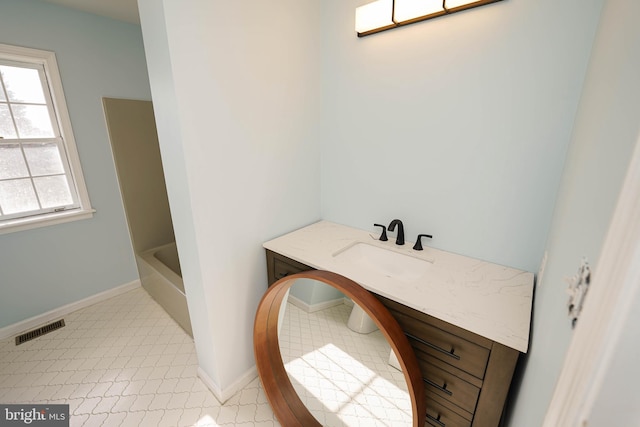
450	4
407	10
374	15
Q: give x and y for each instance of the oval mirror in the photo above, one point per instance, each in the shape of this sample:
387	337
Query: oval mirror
287	403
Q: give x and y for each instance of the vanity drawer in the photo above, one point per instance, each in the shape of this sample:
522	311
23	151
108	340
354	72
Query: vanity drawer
445	346
279	266
439	415
448	386
450	344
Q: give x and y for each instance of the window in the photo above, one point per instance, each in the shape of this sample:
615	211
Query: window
40	176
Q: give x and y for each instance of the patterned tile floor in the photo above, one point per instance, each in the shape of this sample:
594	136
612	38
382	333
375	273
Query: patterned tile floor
343	377
125	362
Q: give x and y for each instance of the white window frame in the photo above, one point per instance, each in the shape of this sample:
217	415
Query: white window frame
83	208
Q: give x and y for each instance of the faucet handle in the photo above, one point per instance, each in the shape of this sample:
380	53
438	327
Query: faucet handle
383	236
418	245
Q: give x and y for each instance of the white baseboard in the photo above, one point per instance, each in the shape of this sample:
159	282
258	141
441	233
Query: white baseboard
55	314
227	393
310	308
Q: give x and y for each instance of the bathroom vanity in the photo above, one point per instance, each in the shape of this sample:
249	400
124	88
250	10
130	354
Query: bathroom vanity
467	320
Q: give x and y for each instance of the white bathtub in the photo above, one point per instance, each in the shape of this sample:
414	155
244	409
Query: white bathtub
161	277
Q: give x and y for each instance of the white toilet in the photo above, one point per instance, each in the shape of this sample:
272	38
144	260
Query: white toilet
360	322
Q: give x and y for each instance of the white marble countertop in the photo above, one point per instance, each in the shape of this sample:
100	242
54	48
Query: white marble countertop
485	298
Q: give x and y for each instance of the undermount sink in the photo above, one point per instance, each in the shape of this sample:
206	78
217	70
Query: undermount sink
383	261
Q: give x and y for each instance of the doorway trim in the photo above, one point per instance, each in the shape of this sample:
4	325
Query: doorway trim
615	285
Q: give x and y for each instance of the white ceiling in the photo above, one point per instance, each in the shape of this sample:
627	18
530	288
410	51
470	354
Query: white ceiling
122	10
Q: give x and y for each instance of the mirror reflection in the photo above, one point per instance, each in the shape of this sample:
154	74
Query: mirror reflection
338	361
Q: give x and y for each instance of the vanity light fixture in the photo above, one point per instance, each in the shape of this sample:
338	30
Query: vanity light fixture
381	15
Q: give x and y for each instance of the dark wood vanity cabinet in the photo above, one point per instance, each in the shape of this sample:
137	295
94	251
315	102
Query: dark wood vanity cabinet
466	376
279	266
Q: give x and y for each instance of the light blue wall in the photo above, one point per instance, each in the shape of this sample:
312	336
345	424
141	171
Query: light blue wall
174	164
459	125
314	292
46	268
236	86
605	133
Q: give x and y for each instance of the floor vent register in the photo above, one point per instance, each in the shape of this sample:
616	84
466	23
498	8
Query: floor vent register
27	336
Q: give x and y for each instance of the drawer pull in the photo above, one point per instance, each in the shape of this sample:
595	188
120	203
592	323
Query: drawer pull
435	347
442	388
433	419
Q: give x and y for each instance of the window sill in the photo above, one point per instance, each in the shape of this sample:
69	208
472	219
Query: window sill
21	224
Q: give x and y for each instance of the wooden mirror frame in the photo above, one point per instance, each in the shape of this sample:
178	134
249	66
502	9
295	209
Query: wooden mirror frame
284	400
